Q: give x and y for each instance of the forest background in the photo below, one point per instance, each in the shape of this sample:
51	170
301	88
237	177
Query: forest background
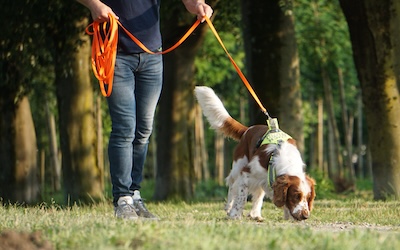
328	70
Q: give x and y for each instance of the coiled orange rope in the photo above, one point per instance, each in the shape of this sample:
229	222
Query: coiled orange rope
104	52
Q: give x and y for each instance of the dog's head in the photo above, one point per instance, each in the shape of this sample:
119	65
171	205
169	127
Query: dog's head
296	194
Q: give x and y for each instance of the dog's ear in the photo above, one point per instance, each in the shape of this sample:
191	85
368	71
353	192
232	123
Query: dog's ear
280	188
311	198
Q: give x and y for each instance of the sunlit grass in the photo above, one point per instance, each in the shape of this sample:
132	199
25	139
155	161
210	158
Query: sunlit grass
334	224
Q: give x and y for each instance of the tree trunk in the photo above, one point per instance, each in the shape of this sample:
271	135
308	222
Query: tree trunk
175	126
375	36
273	64
19	170
360	141
219	144
19	175
319	142
99	138
27	183
175	129
54	160
81	173
336	159
201	156
347	120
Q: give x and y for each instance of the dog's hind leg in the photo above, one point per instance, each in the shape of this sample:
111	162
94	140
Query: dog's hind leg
257	200
240	199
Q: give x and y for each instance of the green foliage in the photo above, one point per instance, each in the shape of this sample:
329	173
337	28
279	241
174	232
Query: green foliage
213	67
324	44
323	41
324	187
210	190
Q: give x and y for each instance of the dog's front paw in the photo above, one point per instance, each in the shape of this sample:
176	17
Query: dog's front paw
234	216
256	218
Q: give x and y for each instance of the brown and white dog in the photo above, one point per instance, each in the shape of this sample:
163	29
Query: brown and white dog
253	164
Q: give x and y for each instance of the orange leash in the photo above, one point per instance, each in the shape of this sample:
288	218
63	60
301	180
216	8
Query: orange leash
104	52
144	48
240	73
104	49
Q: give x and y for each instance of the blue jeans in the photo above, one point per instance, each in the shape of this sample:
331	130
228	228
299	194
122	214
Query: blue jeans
136	90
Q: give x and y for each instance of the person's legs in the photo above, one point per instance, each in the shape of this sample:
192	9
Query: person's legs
122	109
136	90
147	92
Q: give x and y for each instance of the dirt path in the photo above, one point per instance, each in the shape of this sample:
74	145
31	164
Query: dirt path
12	240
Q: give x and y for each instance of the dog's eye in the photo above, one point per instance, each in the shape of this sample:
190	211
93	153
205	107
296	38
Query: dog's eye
296	197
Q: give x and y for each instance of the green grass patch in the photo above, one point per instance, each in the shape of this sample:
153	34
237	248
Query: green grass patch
334	224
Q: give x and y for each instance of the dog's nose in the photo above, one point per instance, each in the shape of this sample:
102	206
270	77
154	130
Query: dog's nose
305	214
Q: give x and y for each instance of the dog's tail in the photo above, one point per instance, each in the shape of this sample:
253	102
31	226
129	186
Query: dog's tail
216	114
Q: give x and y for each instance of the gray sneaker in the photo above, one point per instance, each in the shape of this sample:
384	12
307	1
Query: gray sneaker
142	211
125	209
140	208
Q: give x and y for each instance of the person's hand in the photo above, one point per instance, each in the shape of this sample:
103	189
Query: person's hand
100	12
203	9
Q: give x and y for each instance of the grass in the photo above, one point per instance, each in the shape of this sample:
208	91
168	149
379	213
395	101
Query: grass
351	221
334	224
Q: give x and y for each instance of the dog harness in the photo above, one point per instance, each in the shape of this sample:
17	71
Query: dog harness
273	136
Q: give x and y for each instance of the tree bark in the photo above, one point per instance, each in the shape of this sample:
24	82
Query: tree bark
348	121
54	160
273	65
201	156
99	144
375	36
19	175
219	145
81	173
175	130
336	159
175	134
175	126
27	183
